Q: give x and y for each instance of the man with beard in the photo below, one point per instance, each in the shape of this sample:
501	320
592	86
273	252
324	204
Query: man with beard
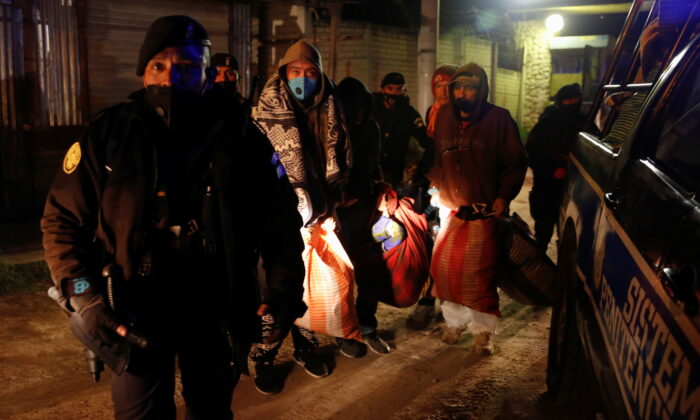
479	168
152	192
548	147
398	122
227	76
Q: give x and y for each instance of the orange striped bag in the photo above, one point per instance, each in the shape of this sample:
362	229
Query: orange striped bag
328	285
464	263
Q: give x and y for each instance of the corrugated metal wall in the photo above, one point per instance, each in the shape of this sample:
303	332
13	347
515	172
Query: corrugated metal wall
15	179
10	62
116	30
57	61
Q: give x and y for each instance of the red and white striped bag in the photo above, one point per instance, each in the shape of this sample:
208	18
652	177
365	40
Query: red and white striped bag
464	263
328	285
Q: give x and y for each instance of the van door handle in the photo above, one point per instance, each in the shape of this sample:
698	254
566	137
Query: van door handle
682	285
611	200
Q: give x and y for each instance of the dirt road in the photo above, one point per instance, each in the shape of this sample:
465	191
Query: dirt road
43	376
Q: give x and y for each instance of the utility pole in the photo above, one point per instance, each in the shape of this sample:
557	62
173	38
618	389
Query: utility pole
427	50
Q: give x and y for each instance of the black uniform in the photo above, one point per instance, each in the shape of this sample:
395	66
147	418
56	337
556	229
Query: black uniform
171	207
548	146
397	126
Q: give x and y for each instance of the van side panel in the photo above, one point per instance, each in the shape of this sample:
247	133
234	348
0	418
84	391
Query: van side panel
651	343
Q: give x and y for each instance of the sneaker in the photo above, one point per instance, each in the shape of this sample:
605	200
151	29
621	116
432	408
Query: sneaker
311	362
351	348
420	317
451	335
376	344
483	344
267	380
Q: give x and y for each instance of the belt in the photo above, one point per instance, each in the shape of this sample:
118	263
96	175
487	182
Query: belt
475	211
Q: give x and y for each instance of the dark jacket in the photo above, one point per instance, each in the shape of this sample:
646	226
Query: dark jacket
366	151
550	142
397	126
103	211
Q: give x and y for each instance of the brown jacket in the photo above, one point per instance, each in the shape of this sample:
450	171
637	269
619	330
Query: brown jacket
480	160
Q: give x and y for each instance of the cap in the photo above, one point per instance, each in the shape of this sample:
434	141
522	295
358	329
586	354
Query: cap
170	31
567	92
224	60
393	78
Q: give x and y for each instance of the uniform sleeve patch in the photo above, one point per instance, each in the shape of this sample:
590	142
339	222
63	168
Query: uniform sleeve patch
72	159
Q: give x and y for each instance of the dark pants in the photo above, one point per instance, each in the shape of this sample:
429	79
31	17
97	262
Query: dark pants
545	198
179	307
427	299
145	390
355	233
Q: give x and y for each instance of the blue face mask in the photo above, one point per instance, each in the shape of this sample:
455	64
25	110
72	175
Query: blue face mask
303	87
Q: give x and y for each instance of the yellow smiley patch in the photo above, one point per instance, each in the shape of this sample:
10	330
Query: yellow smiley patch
72	159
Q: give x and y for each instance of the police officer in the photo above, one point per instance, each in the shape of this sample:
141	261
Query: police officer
160	188
398	122
548	146
227	75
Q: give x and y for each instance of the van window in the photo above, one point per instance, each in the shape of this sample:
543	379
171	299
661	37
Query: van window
678	147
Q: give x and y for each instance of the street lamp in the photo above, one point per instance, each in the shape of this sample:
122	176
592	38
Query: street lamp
554	23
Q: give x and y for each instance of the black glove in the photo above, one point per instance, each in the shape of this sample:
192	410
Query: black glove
96	316
95	324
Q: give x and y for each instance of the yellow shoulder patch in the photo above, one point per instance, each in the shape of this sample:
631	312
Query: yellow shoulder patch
72	159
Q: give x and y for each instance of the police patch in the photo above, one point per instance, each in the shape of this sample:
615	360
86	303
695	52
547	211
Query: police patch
72	159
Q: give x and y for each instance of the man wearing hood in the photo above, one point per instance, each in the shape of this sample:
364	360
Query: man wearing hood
151	192
398	122
355	220
298	112
548	147
479	168
424	311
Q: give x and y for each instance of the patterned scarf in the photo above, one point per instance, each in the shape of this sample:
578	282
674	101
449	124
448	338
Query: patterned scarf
275	116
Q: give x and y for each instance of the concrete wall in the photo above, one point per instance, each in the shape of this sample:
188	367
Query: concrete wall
507	92
537	68
478	51
369	51
459	47
364	51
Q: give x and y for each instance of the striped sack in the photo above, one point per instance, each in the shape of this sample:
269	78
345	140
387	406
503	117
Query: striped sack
328	285
408	262
529	274
464	263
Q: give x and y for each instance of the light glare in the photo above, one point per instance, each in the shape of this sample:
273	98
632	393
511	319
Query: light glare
554	23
